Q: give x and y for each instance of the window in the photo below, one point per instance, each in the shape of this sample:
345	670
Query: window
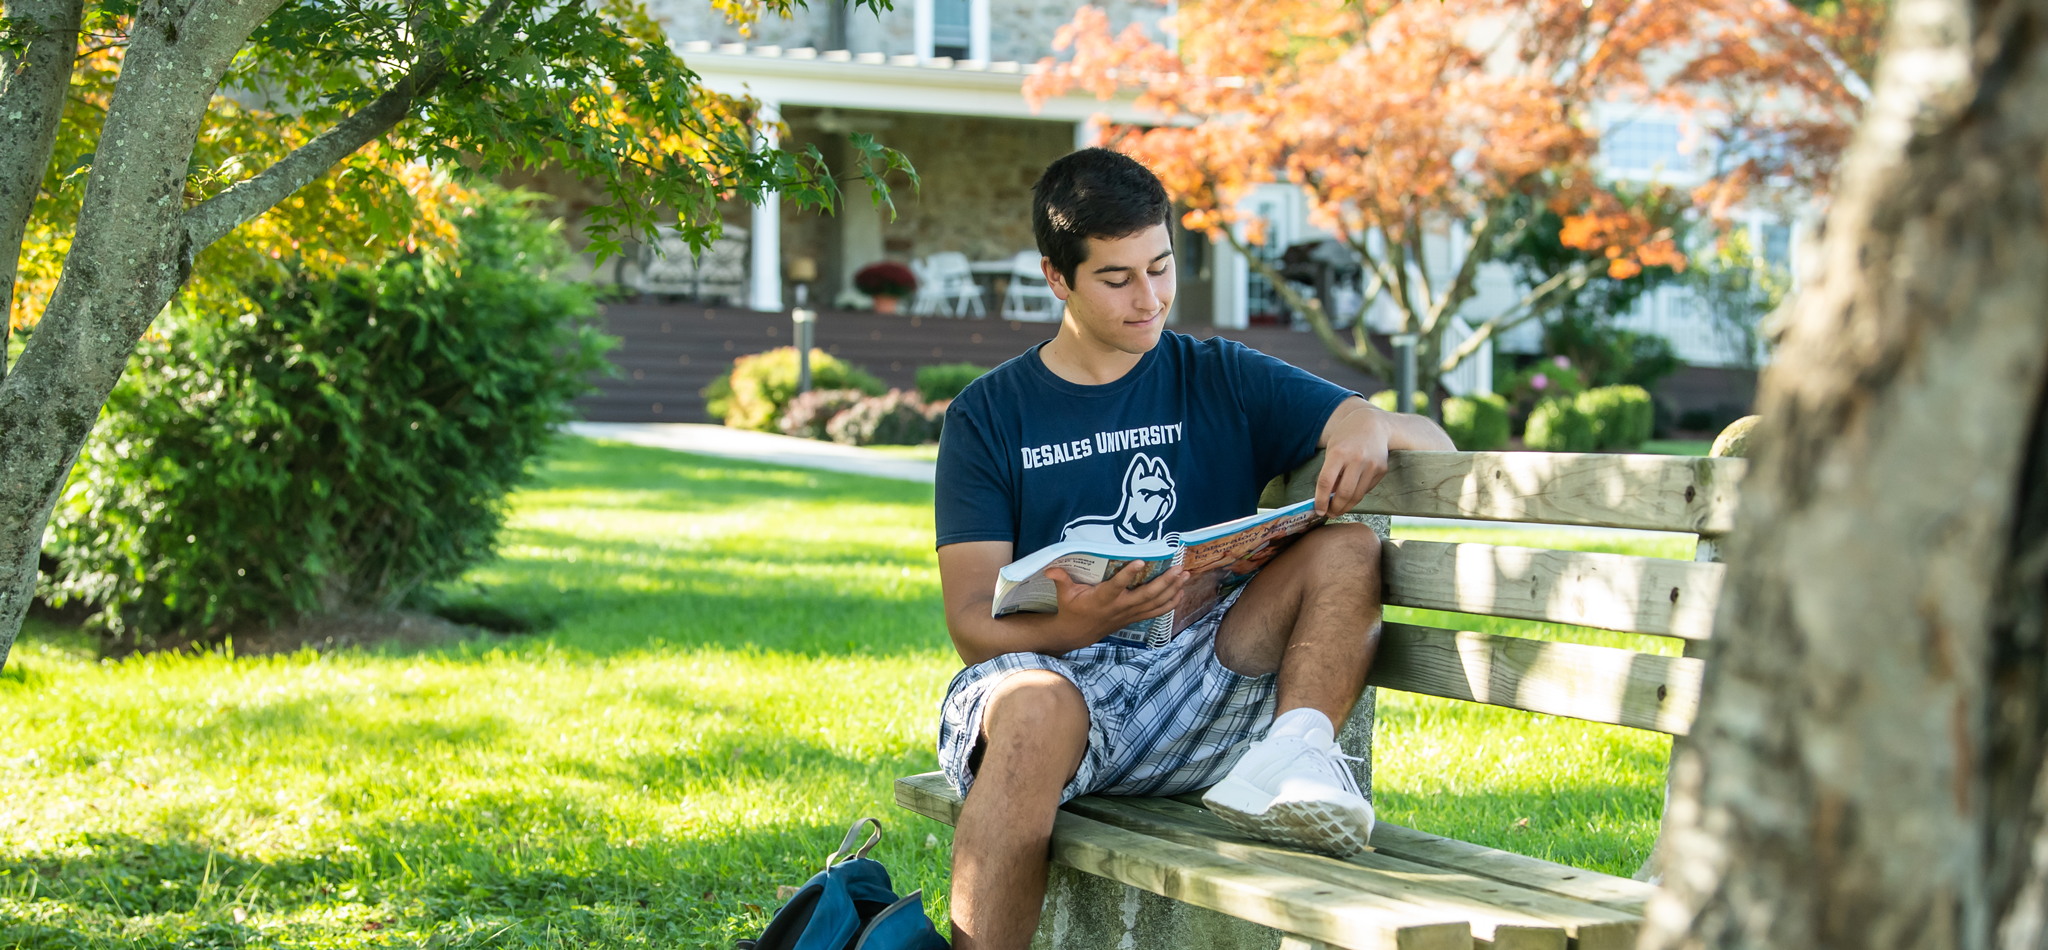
1643	146
951	20
1777	245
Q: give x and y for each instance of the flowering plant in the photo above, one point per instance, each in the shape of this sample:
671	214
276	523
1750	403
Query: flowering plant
885	279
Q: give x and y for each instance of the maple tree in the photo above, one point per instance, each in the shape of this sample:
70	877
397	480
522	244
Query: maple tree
153	150
1463	119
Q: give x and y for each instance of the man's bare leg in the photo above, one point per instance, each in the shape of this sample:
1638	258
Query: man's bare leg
1313	615
1036	730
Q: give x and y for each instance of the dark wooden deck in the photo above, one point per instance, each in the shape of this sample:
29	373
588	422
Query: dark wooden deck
670	352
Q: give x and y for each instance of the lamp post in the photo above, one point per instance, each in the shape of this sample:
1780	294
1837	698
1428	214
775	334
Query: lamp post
803	270
1404	371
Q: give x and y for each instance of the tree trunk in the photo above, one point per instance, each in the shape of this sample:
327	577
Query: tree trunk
128	256
1866	770
32	87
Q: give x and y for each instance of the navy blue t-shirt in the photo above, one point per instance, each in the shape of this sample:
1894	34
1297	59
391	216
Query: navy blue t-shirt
1186	439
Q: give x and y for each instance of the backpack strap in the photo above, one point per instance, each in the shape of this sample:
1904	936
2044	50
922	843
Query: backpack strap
846	851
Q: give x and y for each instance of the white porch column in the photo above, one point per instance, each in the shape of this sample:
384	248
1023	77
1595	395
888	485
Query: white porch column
977	30
1233	279
921	30
764	277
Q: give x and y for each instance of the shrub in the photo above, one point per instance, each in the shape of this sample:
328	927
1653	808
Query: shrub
758	388
1622	416
343	443
809	412
1549	378
1606	355
945	380
1557	425
1386	399
935	417
895	418
885	279
1477	423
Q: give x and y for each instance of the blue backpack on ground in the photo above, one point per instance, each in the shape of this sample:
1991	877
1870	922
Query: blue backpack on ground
850	906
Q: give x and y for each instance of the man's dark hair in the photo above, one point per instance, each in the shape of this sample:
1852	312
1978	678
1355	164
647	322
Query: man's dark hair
1093	193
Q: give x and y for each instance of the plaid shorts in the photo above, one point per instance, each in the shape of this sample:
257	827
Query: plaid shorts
1161	721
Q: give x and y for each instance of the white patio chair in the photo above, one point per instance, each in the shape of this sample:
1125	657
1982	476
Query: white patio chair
929	299
955	279
1030	297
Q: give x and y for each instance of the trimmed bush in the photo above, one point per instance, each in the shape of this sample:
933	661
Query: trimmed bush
943	381
1386	399
1557	425
894	418
1622	416
757	390
344	443
1477	423
809	412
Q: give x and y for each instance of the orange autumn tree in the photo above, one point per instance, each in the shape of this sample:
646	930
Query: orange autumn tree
1430	135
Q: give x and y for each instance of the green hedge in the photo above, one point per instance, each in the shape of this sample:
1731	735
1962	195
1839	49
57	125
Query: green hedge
756	392
1477	423
942	381
1623	417
338	446
1558	425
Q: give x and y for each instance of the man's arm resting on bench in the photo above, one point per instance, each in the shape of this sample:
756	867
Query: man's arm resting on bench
1088	612
1357	437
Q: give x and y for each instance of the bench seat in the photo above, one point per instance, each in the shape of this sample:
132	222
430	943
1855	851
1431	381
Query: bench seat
1412	891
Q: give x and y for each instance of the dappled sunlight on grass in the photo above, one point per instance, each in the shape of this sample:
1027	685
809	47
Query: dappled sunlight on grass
743	658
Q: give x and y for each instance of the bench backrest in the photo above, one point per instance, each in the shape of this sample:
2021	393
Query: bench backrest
1626	593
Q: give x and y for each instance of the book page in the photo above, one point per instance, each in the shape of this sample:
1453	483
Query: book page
1041	595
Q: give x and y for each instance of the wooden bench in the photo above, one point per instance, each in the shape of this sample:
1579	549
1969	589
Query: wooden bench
1415	890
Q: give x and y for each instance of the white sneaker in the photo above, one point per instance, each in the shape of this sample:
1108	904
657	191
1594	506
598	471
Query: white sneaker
1296	791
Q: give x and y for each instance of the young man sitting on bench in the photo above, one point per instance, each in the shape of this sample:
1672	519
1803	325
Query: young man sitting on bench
1053	706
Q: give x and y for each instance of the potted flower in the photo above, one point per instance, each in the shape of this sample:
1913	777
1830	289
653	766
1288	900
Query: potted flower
886	281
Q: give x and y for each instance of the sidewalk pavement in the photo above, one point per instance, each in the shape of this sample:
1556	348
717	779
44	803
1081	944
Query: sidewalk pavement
766	447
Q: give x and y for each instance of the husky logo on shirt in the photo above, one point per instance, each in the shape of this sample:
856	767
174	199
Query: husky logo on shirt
1147	499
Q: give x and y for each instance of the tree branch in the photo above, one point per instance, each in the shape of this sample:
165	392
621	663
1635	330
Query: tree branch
1417	246
1363	358
1461	283
245	200
1530	306
32	88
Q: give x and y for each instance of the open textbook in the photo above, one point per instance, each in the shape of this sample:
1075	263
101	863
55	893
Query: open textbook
1218	558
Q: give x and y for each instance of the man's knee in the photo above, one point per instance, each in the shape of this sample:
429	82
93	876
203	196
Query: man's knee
1036	703
1342	550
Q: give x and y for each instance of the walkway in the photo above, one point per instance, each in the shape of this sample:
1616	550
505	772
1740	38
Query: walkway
767	447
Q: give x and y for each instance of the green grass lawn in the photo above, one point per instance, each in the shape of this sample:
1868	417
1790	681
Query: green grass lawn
745	656
928	452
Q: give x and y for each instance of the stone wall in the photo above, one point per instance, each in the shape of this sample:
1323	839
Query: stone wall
975	195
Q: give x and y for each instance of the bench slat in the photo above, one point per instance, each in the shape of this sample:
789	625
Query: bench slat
1619	893
1310	908
1652	492
1530	917
1609	591
1598	684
